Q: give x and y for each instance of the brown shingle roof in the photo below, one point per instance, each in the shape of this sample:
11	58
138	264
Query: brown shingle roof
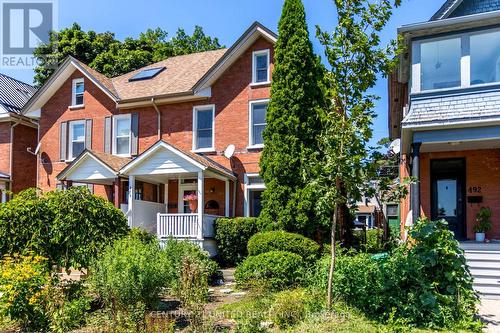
180	75
103	79
114	162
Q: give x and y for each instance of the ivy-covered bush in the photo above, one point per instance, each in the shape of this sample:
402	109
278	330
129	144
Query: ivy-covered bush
274	269
424	282
264	242
24	291
69	228
232	235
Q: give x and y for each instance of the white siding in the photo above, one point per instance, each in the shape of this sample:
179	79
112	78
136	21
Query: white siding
163	162
90	169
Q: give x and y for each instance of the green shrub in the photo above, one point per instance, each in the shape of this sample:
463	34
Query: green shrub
291	306
232	235
141	234
424	282
264	242
130	273
275	269
24	291
69	228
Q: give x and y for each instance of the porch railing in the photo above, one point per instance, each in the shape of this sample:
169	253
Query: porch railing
178	225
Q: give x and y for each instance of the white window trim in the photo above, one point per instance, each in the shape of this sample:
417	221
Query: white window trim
73	93
70	137
247	189
254	67
465	62
195	128
251	104
114	136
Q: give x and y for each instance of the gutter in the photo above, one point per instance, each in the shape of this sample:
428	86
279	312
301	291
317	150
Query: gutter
158	112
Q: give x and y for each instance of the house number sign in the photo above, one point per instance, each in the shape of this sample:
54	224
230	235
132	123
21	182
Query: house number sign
475	189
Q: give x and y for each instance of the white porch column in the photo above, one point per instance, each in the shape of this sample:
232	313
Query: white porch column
3	188
165	194
226	197
131	199
201	203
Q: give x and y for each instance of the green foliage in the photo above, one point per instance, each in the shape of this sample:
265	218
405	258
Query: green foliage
275	269
292	306
23	290
232	235
141	234
374	242
425	282
293	127
483	220
131	272
264	242
111	57
69	228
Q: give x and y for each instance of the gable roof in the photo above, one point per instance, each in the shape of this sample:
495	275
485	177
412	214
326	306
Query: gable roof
187	76
14	94
446	9
199	161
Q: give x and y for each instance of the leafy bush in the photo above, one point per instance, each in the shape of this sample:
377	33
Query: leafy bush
264	242
130	273
24	290
424	282
232	235
291	306
276	269
68	306
69	228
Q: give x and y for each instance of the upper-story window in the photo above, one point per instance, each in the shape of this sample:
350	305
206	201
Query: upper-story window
260	67
457	61
76	138
258	110
122	135
77	91
203	128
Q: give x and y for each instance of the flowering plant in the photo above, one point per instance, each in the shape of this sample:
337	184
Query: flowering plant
190	197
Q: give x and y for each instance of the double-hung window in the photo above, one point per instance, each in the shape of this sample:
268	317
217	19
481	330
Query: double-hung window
258	110
203	128
254	187
260	67
122	135
77	92
76	138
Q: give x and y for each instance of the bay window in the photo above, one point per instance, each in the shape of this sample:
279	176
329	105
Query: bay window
457	61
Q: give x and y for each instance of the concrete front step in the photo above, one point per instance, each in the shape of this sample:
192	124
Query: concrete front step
483	255
484	273
484	264
474	246
488	290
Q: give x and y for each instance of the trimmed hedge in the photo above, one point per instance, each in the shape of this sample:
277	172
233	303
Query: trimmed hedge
275	269
232	235
264	242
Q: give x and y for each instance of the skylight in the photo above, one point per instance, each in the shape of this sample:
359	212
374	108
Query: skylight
146	74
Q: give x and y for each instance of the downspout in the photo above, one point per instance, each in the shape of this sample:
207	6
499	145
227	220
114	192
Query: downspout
158	112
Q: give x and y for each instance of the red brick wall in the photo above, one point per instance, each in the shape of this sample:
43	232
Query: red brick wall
231	95
482	169
23	162
5	147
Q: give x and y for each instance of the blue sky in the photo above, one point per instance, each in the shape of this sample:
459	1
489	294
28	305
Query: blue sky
225	19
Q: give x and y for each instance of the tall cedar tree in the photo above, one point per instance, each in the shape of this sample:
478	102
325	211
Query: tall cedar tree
357	56
293	127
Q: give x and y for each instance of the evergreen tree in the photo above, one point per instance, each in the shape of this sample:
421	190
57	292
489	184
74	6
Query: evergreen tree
293	127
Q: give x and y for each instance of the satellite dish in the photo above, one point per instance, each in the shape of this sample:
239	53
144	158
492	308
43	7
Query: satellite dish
395	147
229	152
37	149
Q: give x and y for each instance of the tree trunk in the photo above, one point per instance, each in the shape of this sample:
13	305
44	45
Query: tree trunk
332	258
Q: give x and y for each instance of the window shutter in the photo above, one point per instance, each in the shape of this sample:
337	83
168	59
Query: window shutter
134	126
88	134
107	135
63	141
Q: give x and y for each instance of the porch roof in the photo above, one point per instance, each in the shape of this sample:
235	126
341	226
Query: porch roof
173	161
453	109
92	165
4	176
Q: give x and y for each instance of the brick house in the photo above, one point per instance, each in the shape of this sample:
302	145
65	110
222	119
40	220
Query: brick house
445	108
17	135
190	124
